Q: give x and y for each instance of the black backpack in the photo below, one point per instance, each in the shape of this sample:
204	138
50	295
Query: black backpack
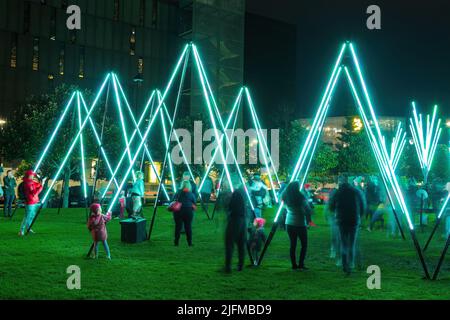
21	191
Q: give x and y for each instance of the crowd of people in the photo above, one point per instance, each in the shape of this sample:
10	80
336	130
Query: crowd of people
350	205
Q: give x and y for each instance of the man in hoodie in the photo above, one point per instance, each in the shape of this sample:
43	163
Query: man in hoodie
10	192
348	205
32	189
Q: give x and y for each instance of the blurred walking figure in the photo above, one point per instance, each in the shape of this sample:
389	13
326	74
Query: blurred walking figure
9	184
32	188
97	226
137	193
236	230
257	237
298	214
184	217
348	205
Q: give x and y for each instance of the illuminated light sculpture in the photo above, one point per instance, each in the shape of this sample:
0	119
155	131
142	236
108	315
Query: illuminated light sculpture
397	146
87	115
425	139
375	138
267	158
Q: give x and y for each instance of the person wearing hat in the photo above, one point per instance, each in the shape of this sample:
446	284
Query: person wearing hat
32	189
97	226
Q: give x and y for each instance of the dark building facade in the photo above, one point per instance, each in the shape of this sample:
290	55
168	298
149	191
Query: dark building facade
134	38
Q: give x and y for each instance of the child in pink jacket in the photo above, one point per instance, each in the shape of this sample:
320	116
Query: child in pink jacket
97	226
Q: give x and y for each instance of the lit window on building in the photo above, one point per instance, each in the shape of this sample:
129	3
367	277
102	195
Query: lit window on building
81	70
116	10
61	60
53	24
35	60
50	76
13	62
140	65
132	42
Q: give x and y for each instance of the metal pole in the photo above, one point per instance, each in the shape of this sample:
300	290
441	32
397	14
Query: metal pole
268	241
441	260
161	181
419	252
438	221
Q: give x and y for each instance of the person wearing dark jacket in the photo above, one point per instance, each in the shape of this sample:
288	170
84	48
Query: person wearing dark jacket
9	184
348	205
236	230
297	217
185	216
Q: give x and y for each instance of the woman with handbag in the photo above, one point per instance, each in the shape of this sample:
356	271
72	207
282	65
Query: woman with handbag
183	211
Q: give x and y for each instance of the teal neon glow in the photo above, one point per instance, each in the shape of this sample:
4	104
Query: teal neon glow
211	115
396	188
320	128
235	109
83	168
169	85
397	146
443	206
122	123
204	82
263	143
177	139
55	177
166	139
99	143
122	157
52	137
312	132
136	124
425	139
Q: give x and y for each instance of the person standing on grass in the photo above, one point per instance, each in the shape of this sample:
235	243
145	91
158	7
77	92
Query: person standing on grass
97	226
137	193
258	191
9	183
185	216
297	217
236	229
32	188
348	205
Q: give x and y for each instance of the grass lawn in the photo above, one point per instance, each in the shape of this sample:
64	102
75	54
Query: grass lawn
34	267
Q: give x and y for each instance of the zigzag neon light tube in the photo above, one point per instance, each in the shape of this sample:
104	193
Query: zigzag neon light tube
384	153
60	121
443	207
211	115
166	139
382	161
235	107
319	129
122	123
312	132
75	140
169	85
99	143
372	140
203	78
83	169
139	131
258	127
177	139
250	102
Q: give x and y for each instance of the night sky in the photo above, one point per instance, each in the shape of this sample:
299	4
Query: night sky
409	58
